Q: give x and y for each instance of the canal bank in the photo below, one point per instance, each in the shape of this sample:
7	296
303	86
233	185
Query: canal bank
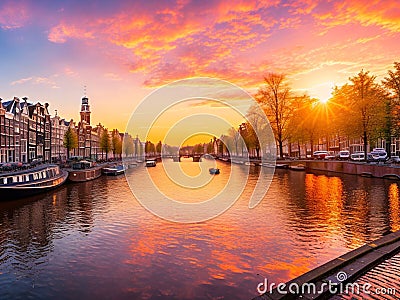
348	167
332	277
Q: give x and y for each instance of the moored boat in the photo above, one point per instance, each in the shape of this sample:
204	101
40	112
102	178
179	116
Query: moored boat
114	170
299	167
151	163
213	171
268	165
281	166
30	182
84	171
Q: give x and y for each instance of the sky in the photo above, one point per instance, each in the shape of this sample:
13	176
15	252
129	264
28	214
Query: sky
123	50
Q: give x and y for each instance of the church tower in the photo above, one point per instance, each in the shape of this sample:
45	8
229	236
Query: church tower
85	110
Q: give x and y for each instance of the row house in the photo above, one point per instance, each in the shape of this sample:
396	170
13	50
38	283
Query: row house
28	133
39	132
59	127
25	131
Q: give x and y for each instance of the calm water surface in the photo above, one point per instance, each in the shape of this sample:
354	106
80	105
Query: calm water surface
94	239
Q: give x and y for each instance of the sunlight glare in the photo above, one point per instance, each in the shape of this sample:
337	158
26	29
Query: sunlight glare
324	100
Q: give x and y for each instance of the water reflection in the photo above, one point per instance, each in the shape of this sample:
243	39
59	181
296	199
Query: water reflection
394	207
95	240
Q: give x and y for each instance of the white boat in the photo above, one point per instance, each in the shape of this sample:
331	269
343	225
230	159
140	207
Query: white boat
151	163
29	182
268	165
115	170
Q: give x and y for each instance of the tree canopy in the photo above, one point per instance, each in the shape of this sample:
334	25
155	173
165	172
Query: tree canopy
70	140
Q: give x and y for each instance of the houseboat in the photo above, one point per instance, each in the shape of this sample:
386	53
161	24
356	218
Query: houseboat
84	171
30	182
114	170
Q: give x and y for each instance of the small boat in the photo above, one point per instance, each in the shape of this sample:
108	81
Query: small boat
30	182
299	167
115	170
281	166
151	163
84	171
268	165
213	171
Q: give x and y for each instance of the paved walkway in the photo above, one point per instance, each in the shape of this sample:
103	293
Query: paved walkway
336	275
382	282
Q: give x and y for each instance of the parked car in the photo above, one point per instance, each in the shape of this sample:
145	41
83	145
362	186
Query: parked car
320	154
379	155
330	156
357	156
393	160
344	155
379	150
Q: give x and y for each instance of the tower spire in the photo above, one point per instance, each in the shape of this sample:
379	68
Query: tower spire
85	108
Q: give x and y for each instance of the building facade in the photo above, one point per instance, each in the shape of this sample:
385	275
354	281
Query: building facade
88	135
58	129
19	140
28	133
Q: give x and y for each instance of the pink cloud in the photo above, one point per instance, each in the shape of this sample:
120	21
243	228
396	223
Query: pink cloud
62	32
238	40
13	15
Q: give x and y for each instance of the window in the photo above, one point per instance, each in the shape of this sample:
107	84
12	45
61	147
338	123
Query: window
23	146
32	153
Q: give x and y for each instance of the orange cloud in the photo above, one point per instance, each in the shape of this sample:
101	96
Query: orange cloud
385	14
240	40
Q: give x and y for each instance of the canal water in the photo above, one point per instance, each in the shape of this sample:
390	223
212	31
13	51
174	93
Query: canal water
95	240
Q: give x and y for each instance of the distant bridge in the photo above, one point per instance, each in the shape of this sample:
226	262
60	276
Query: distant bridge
177	158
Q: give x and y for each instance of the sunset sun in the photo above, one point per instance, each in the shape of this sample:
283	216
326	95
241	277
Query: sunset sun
324	100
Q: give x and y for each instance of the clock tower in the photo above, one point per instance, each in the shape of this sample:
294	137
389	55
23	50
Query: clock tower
85	110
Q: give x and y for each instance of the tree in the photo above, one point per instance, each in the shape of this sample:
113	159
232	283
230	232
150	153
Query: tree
118	148
210	147
276	101
363	107
149	148
116	144
128	145
70	140
105	144
232	141
159	147
392	83
250	138
308	118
